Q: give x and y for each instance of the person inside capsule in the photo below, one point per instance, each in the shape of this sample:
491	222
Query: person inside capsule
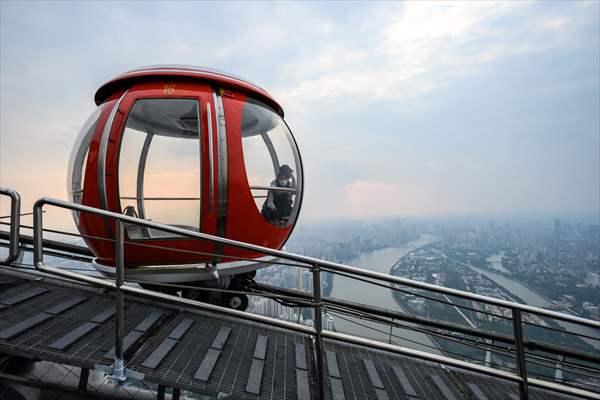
277	208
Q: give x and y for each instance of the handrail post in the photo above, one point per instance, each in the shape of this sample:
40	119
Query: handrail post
520	353
38	235
15	224
119	365
318	323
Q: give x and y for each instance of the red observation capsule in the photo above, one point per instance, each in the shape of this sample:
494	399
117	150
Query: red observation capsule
189	147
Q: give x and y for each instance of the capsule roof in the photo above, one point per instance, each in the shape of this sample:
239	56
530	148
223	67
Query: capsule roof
155	72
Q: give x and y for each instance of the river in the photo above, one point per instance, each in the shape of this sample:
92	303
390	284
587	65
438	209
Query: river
532	298
496	262
361	292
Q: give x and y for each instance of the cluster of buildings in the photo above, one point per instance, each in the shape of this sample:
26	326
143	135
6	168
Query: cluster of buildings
593	279
286	276
592	309
558	259
343	241
432	266
338	242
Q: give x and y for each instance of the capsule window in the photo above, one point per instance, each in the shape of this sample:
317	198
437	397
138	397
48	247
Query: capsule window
78	159
272	163
159	165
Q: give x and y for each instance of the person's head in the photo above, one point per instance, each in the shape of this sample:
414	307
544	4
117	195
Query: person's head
284	174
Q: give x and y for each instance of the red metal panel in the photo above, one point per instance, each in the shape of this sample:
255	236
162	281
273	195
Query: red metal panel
178	72
89	224
244	221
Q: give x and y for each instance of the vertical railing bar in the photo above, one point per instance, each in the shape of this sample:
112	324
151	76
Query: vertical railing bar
318	323
38	236
119	365
15	223
83	379
520	353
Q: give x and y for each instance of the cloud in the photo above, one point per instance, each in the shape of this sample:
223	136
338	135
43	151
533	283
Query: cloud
414	48
367	199
398	108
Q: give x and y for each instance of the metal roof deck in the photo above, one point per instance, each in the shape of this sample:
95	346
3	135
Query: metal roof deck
212	354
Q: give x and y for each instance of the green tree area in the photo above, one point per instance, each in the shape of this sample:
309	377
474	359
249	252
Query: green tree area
554	286
454	348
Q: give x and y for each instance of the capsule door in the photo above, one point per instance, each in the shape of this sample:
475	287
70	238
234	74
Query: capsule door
163	170
265	173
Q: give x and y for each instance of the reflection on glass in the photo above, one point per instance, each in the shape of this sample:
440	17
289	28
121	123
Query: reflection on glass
272	163
78	159
278	206
159	165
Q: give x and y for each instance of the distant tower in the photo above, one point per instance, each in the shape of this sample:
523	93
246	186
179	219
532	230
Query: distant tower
556	232
299	281
558	372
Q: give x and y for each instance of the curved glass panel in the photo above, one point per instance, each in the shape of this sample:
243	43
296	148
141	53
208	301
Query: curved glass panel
78	159
272	163
159	165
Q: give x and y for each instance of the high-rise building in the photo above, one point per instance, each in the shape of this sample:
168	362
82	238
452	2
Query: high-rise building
556	232
592	279
300	280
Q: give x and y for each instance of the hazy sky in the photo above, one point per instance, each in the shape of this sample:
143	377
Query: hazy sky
398	108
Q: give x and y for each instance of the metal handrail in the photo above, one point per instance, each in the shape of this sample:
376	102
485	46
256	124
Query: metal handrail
158	198
15	220
316	266
328	301
325	265
276	189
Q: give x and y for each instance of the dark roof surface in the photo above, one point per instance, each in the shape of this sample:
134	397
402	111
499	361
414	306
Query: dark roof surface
214	354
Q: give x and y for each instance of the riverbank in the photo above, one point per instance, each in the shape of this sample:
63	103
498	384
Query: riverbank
352	290
508	275
533	298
